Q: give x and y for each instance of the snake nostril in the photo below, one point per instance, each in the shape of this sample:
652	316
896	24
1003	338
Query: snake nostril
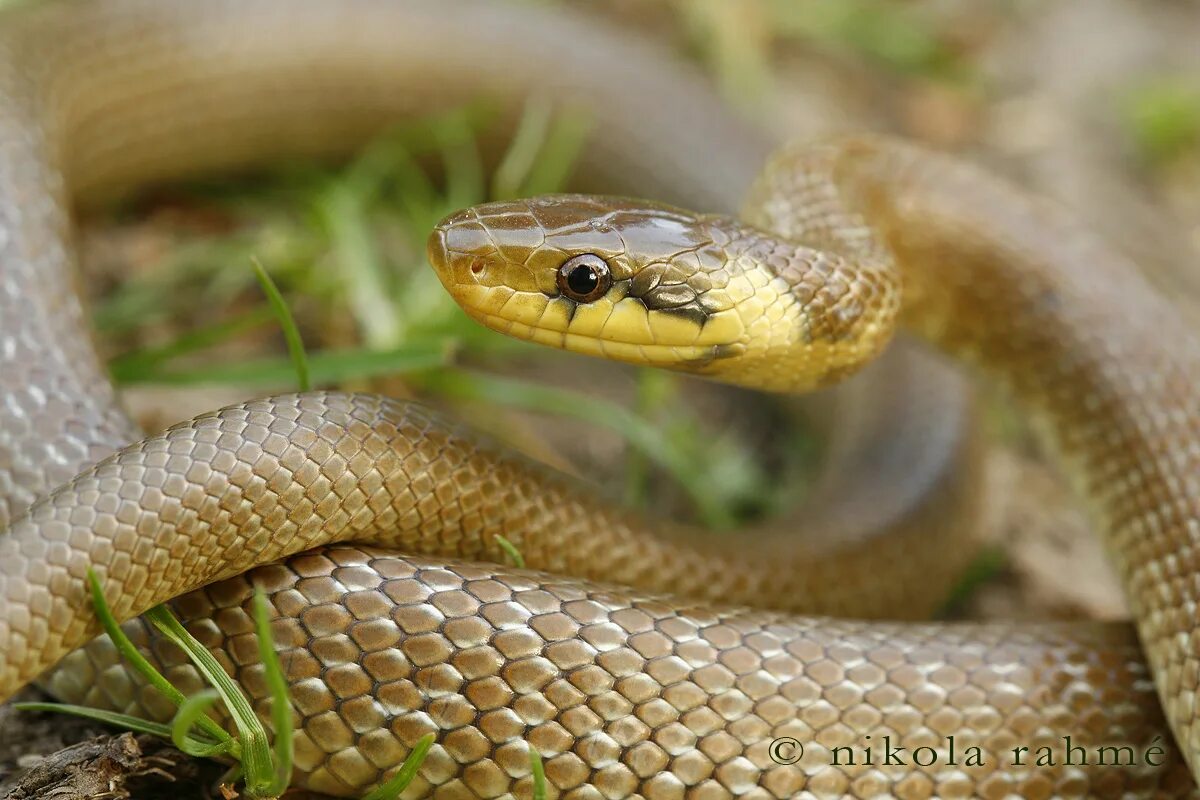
477	266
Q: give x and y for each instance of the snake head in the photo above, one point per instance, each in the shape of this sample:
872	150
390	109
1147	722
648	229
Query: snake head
644	283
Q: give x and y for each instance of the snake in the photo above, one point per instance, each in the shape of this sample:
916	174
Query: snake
639	657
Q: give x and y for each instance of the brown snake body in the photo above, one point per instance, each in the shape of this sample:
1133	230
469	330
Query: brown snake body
624	693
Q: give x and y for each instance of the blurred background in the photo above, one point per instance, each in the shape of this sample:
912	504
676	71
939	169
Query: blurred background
1094	103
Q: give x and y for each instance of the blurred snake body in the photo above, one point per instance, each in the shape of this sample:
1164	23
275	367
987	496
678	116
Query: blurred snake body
370	522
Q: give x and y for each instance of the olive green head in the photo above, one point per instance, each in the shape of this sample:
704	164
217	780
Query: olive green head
645	283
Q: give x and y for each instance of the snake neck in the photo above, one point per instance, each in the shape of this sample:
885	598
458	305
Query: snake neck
1064	322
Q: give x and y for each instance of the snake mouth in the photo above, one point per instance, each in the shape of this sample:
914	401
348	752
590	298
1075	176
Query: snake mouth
692	357
615	326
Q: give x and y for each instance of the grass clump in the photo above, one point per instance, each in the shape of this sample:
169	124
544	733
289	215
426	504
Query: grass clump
265	771
263	768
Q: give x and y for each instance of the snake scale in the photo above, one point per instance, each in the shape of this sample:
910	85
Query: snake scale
369	522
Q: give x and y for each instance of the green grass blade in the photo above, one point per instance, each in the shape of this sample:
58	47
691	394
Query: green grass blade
252	737
138	662
568	134
511	551
404	776
281	704
356	253
125	647
388	158
193	276
188	715
538	770
465	182
141	364
291	333
513	170
410	190
135	724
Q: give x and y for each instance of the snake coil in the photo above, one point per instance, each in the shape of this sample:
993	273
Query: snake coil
368	522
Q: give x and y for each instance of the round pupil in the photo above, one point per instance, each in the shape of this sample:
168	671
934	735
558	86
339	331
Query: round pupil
583	280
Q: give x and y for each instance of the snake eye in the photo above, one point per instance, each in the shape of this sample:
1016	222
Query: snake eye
584	278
